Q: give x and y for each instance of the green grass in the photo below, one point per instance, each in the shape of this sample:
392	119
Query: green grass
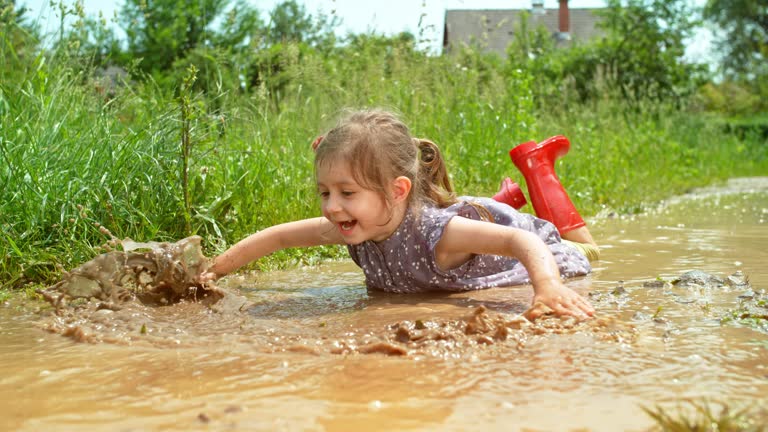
755	126
704	417
72	162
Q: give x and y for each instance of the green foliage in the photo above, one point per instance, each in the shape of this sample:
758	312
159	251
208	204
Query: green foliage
743	36
100	45
704	417
534	51
640	57
18	41
162	32
645	48
731	98
743	41
290	22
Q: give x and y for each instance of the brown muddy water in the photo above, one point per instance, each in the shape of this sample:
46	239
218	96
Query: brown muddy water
310	349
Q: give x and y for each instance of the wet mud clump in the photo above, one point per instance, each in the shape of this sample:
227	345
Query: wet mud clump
474	332
153	273
702	279
731	299
752	310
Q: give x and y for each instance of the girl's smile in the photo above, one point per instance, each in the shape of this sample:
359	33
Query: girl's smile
347	226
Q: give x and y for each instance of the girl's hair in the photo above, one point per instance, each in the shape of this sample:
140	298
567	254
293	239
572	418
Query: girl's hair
379	147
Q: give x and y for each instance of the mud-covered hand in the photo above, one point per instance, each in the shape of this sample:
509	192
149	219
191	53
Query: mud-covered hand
206	276
560	300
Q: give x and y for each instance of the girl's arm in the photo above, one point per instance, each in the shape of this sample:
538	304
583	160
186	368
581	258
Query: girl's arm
303	233
464	236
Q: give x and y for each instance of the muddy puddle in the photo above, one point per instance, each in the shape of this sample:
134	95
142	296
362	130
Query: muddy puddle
311	349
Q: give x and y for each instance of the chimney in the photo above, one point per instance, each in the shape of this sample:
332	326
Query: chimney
565	19
563	34
537	7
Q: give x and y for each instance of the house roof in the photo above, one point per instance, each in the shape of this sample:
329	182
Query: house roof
495	28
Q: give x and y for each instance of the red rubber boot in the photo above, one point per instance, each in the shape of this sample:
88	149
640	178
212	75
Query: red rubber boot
548	197
510	194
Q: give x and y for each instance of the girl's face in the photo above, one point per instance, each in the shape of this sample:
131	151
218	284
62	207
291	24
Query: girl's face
359	214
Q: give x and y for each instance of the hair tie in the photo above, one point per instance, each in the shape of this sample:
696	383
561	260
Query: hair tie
316	143
427	150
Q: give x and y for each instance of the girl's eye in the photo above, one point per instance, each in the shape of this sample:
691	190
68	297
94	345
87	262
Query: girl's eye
347	193
324	194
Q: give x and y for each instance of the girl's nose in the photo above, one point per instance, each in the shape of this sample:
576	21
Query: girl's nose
332	205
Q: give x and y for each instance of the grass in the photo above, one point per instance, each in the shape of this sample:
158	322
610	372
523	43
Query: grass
750	126
153	165
704	417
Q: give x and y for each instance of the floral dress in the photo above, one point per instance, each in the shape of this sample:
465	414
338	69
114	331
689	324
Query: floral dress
405	262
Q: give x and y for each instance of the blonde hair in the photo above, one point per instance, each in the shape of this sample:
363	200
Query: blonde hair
379	147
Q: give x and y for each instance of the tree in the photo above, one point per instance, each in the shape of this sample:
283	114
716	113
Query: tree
100	42
165	31
290	22
744	36
643	53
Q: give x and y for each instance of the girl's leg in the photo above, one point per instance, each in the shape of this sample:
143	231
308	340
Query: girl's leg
549	199
579	235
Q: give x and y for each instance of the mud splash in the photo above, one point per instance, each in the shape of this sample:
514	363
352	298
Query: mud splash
146	284
153	273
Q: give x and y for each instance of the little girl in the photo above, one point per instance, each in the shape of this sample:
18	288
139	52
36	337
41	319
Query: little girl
387	196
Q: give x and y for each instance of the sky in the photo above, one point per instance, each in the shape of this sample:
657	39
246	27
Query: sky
383	17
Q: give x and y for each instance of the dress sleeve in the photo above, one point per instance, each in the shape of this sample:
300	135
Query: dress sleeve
435	221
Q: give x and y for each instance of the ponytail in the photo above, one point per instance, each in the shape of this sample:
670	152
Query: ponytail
433	174
434	180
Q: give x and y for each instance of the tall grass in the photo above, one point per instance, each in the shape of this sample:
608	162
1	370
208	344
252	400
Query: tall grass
153	165
625	162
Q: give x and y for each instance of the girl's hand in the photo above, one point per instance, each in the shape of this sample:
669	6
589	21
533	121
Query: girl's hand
207	276
560	299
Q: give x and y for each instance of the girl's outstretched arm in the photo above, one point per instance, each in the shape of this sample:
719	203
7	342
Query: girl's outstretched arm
303	233
463	237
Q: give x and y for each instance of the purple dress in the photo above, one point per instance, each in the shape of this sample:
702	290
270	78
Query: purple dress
405	262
